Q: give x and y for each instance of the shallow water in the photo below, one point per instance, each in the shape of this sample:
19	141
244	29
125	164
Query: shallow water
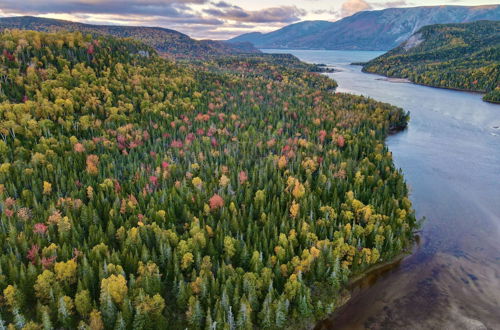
450	157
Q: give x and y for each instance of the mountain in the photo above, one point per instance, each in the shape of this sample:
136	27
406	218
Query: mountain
168	42
297	31
368	30
459	56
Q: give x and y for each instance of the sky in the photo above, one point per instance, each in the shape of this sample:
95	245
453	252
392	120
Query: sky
208	19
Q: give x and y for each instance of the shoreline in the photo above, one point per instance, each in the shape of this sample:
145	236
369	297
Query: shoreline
358	281
405	80
390	298
396	80
492	102
346	292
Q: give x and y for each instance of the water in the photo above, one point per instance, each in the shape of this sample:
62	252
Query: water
450	156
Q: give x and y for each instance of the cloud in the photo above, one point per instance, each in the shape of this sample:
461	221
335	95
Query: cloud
284	14
325	11
222	4
126	7
392	4
397	3
351	7
199	18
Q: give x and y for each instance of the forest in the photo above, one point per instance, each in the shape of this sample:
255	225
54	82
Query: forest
167	42
456	56
233	193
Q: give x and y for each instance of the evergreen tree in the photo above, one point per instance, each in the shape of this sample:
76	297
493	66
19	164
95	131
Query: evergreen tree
19	319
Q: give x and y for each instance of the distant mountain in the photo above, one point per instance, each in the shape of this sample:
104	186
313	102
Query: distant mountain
368	30
459	56
291	33
169	42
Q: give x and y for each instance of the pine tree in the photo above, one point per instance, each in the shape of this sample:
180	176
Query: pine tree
140	321
127	311
281	312
182	294
219	314
63	312
108	310
2	324
244	320
46	322
209	323
194	313
266	313
304	308
19	319
120	322
230	319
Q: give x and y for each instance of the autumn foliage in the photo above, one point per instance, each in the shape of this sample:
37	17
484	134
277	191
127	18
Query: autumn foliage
139	193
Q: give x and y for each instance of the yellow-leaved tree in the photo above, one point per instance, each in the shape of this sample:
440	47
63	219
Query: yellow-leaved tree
116	287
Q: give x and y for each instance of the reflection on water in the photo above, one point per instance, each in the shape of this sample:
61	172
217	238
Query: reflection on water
450	156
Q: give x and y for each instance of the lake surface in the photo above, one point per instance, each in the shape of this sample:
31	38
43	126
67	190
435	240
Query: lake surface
450	157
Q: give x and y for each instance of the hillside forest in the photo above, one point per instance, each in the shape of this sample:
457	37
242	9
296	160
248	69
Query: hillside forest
457	56
232	193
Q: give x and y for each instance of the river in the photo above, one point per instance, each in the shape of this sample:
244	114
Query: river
450	157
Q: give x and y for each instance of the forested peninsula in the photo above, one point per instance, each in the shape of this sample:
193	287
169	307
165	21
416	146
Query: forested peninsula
456	56
231	193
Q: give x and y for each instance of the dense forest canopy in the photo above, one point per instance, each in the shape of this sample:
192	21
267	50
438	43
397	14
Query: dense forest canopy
168	42
233	193
459	56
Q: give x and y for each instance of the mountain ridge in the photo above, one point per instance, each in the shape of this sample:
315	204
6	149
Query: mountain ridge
166	41
368	30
